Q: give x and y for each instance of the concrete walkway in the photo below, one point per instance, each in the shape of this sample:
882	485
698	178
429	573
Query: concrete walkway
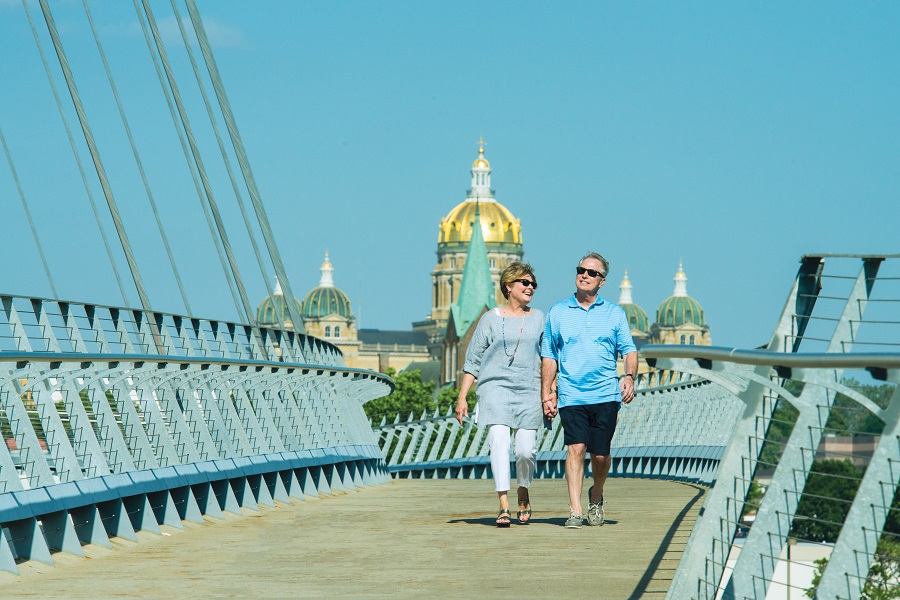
406	539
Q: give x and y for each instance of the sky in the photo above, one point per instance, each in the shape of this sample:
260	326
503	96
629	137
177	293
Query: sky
734	137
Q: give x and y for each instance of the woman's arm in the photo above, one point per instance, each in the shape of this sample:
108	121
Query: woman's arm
462	404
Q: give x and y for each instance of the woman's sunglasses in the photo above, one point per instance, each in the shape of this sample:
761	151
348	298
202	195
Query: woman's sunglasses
526	282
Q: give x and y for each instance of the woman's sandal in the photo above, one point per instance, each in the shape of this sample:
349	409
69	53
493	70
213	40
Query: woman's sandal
524	514
503	518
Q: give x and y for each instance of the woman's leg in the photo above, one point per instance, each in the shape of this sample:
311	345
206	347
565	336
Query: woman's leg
526	453
498	440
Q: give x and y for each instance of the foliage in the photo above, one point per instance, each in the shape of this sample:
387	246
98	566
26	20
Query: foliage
884	574
826	499
849	418
783	419
412	396
754	497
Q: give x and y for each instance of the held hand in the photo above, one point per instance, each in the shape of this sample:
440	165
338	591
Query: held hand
626	385
549	405
462	410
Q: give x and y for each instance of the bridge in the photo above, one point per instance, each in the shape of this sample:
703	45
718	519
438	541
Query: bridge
156	441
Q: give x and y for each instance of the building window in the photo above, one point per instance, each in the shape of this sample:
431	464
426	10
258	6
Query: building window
452	263
493	263
687	315
682	339
337	332
692	340
328	333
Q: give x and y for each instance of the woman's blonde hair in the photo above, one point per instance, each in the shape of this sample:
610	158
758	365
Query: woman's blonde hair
515	271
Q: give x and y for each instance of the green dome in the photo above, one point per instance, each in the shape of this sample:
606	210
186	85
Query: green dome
274	310
679	310
326	300
637	318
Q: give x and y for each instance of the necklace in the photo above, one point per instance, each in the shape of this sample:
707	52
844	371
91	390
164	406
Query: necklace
512	356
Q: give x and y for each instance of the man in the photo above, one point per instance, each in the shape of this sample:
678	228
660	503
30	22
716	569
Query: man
582	337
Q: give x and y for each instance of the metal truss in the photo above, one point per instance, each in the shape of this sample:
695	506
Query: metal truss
758	378
115	421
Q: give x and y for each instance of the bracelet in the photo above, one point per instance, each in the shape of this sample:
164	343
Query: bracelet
628	375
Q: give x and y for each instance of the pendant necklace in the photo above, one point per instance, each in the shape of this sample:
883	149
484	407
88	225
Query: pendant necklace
512	356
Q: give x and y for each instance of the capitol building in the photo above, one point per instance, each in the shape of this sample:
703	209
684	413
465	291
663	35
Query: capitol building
477	239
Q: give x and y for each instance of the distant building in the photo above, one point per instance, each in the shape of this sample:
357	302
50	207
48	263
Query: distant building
680	318
476	296
328	314
502	238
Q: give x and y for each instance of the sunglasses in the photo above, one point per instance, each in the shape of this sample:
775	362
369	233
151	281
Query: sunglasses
591	272
526	282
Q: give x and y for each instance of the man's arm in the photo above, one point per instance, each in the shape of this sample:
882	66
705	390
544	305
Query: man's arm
548	393
626	385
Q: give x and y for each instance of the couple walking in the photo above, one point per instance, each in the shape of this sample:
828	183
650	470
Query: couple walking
529	369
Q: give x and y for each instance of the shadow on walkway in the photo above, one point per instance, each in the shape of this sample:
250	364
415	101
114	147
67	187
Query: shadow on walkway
681	530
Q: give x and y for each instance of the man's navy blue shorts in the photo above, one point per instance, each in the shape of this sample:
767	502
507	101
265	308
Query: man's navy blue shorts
590	424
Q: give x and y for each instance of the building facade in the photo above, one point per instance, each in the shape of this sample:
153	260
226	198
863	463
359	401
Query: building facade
502	237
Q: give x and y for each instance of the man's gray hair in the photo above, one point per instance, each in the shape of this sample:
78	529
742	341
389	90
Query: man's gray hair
596	256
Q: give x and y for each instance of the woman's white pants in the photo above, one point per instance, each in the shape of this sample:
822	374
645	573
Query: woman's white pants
526	451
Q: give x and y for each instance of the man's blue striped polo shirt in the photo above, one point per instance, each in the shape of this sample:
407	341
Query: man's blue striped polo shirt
585	343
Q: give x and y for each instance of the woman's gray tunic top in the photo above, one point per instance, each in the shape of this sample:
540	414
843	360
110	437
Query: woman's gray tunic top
505	357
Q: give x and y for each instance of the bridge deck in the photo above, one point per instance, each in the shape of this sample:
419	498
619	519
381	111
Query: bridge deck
406	539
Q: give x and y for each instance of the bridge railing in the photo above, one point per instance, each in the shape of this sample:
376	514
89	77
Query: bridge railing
837	306
115	421
672	429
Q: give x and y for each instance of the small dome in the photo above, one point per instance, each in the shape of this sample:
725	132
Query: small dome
324	301
637	318
679	310
273	311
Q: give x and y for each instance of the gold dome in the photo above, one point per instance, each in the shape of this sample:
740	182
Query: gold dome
498	225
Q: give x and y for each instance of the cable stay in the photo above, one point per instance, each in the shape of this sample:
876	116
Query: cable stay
81	171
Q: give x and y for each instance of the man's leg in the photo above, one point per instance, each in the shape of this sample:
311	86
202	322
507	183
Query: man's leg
575	475
600	468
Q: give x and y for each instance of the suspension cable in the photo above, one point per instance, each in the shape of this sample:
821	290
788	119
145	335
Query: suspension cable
225	159
37	240
137	158
195	151
241	155
187	158
98	165
87	187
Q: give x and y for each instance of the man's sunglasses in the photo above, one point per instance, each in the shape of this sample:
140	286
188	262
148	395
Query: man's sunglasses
526	282
591	272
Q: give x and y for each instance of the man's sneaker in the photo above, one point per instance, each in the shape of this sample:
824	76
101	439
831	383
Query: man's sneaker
595	511
575	521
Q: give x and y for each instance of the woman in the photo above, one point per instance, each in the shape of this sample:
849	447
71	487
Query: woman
505	357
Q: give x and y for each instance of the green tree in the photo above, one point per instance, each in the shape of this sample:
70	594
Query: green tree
826	498
410	395
881	584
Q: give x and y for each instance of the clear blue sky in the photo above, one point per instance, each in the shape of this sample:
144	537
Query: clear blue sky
733	136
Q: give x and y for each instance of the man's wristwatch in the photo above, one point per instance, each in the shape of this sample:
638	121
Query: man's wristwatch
629	375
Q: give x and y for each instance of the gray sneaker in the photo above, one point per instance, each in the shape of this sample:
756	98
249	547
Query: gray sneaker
575	521
595	511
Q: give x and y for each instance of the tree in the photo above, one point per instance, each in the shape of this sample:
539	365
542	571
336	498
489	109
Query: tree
881	583
410	395
826	499
413	396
